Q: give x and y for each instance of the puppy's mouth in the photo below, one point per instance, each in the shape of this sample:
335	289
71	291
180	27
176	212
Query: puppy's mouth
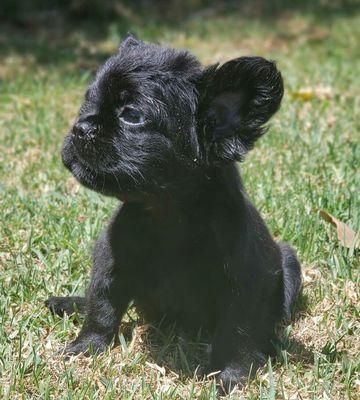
90	173
92	154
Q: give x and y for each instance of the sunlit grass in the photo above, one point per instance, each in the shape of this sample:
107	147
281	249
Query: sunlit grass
308	161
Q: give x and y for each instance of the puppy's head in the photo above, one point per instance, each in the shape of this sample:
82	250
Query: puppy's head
154	113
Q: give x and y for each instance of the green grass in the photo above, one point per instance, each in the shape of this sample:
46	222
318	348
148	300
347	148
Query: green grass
309	160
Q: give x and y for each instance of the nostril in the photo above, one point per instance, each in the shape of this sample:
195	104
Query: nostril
77	131
82	129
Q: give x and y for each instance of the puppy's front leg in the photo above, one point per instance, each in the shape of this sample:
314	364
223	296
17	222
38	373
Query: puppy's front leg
107	300
234	351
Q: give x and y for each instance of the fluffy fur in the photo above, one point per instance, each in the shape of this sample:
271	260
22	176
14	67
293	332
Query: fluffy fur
162	134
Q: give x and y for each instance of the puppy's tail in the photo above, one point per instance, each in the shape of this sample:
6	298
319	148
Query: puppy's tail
292	277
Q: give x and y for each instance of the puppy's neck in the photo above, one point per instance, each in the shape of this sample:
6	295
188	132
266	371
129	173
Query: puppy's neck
191	193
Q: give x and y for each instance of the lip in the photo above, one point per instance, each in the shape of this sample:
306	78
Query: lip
97	164
82	160
67	152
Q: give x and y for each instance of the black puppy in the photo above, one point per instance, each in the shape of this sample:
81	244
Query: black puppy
162	134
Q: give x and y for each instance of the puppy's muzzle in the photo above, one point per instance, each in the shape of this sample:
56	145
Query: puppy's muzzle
84	130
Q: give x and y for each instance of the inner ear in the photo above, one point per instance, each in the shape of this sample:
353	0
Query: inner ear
236	100
225	112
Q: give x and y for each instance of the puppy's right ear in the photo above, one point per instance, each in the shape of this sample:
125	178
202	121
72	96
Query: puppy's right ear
236	99
130	40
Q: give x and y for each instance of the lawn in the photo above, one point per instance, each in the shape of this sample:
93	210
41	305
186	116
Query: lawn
308	161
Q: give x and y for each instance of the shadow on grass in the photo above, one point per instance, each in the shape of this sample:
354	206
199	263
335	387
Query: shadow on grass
187	354
56	36
183	353
301	304
298	352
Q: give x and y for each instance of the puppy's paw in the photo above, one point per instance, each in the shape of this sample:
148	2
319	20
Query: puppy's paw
65	305
228	379
57	305
88	344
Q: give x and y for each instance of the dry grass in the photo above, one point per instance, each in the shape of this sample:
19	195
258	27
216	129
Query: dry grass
308	161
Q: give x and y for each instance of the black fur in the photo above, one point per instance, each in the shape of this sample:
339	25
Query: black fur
162	134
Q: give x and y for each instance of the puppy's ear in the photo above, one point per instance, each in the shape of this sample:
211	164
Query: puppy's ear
235	101
129	41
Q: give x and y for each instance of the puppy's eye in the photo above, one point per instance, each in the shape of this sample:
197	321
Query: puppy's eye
131	115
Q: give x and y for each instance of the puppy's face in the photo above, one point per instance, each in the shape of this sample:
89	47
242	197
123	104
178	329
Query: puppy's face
153	113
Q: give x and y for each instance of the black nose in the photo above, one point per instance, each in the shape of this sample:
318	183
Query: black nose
83	129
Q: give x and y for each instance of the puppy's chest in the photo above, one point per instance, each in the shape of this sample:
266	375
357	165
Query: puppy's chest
180	275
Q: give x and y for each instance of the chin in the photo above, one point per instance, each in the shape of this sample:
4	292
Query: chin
105	182
84	174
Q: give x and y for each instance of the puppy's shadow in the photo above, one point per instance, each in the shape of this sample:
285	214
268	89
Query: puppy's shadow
300	306
187	353
297	351
183	353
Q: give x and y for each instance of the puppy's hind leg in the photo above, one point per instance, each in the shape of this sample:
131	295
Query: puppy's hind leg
235	353
66	305
292	277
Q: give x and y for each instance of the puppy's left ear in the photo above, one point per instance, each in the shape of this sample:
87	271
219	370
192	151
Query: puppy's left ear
235	101
129	40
